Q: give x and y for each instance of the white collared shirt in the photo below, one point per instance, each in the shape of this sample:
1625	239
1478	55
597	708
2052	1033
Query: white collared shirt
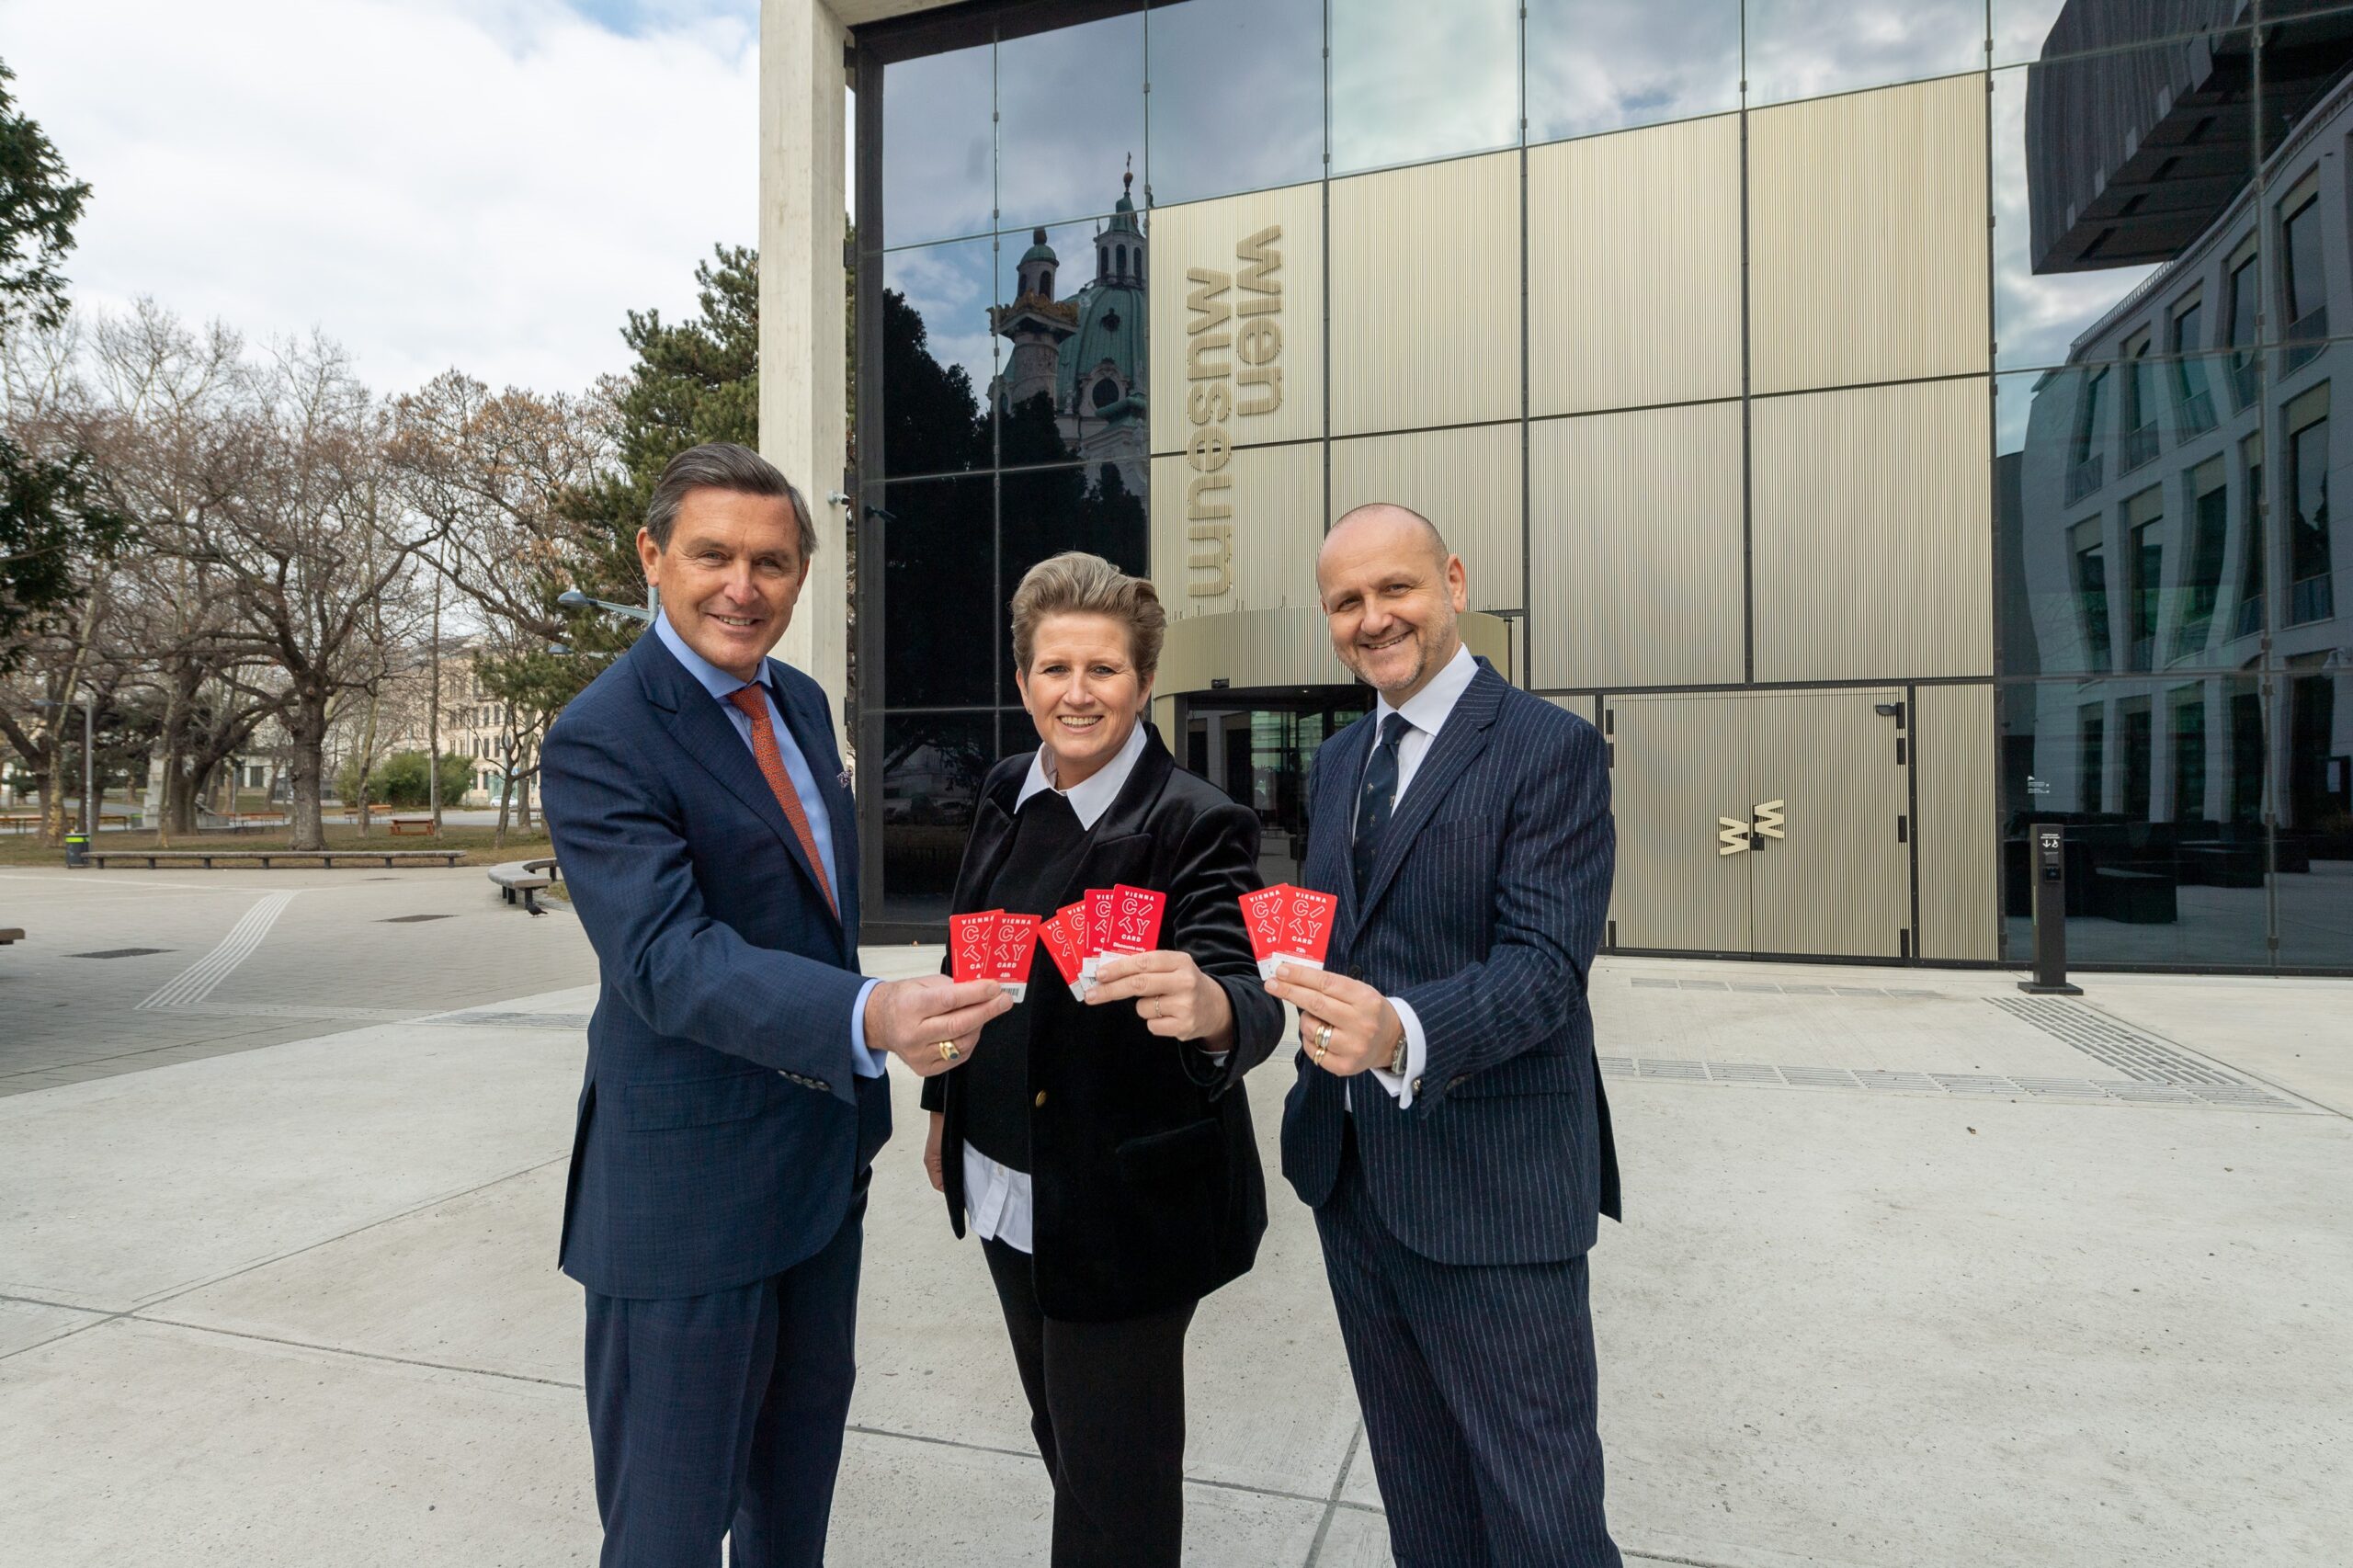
1425	712
999	1201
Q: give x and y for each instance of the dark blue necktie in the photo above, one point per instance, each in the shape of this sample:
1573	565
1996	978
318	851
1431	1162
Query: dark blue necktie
1380	796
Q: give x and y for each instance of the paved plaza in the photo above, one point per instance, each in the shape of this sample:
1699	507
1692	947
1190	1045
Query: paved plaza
1918	1271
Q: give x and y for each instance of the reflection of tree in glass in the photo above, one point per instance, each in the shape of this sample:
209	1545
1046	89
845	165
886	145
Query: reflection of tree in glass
931	415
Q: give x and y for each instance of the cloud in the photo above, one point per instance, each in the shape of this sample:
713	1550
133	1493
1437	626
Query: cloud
489	184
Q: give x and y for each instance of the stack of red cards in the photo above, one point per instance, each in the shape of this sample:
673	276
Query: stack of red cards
992	945
1289	924
1117	919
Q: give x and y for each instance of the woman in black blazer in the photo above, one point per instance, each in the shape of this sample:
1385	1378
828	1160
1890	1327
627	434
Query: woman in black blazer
1102	1150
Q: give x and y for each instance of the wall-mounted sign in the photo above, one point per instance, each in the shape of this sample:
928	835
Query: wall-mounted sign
1233	347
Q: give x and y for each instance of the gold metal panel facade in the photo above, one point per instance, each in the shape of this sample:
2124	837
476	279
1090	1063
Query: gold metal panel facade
1240	536
1259	647
1467	482
1425	323
1237	320
1635	552
1633	277
1870	545
1682	763
1838	880
1867	254
1952	729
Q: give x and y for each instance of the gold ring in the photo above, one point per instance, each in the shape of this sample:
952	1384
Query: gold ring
948	1052
1323	1041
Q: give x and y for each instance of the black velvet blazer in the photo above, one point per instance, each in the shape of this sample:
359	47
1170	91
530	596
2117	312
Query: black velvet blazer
1143	1168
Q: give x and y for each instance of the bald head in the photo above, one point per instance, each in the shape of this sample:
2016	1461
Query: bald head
1399	528
1391	592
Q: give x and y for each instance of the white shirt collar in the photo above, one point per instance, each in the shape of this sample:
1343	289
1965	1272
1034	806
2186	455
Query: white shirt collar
1093	796
1426	709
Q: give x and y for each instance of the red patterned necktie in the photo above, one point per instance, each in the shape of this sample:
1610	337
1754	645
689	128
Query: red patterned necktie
771	761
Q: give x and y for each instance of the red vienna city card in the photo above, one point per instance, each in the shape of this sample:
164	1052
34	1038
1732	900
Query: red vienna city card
1262	912
1307	926
1061	939
1094	931
1008	964
971	938
1135	920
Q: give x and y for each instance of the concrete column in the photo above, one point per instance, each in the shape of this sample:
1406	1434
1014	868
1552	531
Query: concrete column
803	354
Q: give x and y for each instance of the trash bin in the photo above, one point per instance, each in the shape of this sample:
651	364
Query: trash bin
77	849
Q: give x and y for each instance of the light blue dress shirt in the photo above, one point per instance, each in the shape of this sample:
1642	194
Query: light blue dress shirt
866	1063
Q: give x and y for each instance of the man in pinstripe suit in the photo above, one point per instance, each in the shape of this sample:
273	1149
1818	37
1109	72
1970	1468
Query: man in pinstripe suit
1448	1125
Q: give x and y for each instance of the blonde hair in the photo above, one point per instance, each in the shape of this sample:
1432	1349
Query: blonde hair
1075	582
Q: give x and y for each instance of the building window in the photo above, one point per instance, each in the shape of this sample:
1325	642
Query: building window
2091	593
2245	382
2139	445
2189	372
2258	525
2188	718
2083	467
2247	756
2202	570
2310	597
2091	758
2305	287
2144	562
2139	733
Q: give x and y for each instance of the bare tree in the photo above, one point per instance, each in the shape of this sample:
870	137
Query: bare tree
320	556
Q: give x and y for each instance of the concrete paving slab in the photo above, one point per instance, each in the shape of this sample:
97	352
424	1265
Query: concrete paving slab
2297	1034
136	1444
902	1502
24	1325
1896	1330
117	1192
471	1283
1362	1486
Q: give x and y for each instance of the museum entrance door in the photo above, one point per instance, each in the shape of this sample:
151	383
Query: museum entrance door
1256	746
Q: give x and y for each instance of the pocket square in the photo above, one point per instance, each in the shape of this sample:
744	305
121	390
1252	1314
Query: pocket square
842	779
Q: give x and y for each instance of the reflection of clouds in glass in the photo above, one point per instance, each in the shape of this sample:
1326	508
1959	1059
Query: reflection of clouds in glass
1412	80
948	285
1237	97
1069	101
2020	27
937	179
1800	48
2036	319
1595	65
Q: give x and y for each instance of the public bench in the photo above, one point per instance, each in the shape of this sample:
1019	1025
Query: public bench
10	934
527	877
152	858
413	824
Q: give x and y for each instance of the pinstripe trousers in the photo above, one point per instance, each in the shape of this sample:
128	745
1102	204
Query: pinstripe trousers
1477	1384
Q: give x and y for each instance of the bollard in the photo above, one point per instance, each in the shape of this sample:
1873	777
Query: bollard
2049	847
77	850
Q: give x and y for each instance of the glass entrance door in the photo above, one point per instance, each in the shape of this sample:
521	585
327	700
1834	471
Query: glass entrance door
1258	747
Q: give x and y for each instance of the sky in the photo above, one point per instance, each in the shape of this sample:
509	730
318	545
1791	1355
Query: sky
483	184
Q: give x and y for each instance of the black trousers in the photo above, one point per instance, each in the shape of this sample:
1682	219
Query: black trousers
1107	1404
720	1415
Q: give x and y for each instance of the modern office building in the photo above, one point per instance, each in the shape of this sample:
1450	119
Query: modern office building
1891	424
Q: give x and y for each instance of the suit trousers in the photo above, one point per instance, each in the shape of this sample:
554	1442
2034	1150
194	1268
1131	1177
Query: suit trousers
1477	1387
722	1415
1106	1405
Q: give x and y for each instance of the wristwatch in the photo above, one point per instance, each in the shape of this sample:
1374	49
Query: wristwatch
1396	1062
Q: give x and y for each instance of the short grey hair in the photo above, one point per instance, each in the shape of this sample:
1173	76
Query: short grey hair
722	465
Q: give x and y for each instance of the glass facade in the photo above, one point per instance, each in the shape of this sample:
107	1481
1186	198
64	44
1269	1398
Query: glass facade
1572	266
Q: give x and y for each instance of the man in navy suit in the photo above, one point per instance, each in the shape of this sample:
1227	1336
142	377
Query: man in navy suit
1448	1125
734	1096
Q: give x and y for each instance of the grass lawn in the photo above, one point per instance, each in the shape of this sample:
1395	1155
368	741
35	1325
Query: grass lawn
27	850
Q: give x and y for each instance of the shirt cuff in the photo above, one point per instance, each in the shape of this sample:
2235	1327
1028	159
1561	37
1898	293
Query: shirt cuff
1400	1083
865	1062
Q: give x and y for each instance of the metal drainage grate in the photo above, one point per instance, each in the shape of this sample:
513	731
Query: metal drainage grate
1974	1085
2111	1042
409	919
121	953
1766	988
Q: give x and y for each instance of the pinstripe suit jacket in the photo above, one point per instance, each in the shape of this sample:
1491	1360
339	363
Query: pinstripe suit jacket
721	1129
1483	911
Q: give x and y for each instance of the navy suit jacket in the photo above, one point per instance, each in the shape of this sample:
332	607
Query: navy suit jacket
1483	911
722	1129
